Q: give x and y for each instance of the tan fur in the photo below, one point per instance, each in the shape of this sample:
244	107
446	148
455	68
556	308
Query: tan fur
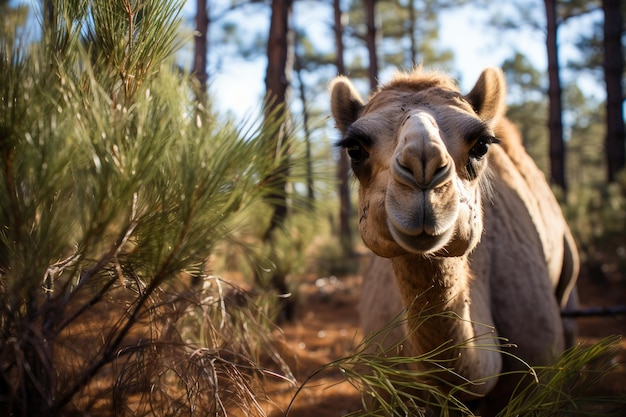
485	240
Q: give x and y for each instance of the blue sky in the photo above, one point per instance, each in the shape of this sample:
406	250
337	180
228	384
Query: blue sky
238	84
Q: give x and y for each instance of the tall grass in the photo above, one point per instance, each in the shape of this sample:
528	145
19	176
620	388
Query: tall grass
564	388
398	385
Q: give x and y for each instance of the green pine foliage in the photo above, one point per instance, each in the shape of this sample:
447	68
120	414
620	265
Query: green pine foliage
116	187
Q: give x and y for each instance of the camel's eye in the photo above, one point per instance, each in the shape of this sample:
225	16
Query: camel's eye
480	148
355	144
356	153
477	153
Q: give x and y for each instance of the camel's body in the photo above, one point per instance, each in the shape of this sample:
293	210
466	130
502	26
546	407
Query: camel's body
508	266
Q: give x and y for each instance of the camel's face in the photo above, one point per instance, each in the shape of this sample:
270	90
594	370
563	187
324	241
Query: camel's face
419	151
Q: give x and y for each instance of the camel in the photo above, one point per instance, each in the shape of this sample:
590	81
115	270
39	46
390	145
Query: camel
464	227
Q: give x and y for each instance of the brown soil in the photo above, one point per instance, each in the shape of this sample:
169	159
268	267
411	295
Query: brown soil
326	328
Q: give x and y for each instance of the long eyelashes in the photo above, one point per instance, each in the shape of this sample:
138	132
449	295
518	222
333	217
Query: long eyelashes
355	150
480	148
477	153
355	144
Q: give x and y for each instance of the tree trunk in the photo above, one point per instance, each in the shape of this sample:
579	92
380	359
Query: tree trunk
277	81
370	40
555	123
200	49
613	69
279	61
343	166
338	28
412	33
307	133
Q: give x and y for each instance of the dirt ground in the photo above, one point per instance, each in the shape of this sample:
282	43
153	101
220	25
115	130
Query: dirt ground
326	328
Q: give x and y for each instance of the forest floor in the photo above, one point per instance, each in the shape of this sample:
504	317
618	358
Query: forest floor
326	328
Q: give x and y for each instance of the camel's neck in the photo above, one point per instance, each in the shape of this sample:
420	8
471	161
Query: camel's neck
434	284
436	292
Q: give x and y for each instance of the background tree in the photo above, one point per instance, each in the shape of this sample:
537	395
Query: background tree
527	107
279	54
613	73
277	82
302	51
410	32
555	15
200	48
602	57
555	108
586	159
343	165
371	39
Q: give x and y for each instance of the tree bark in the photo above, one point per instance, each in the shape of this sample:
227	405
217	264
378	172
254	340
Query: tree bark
370	40
613	69
412	33
277	81
307	133
343	165
555	123
279	61
200	49
338	28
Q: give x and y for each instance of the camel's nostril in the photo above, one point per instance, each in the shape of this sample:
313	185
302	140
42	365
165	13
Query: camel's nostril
404	173
439	170
440	176
419	176
406	168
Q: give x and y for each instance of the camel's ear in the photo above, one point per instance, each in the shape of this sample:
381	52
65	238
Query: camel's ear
488	97
345	102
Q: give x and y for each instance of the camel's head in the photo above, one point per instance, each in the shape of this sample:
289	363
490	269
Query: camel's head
419	150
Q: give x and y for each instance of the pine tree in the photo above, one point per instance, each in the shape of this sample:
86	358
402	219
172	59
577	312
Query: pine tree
415	23
555	108
528	108
115	186
615	141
